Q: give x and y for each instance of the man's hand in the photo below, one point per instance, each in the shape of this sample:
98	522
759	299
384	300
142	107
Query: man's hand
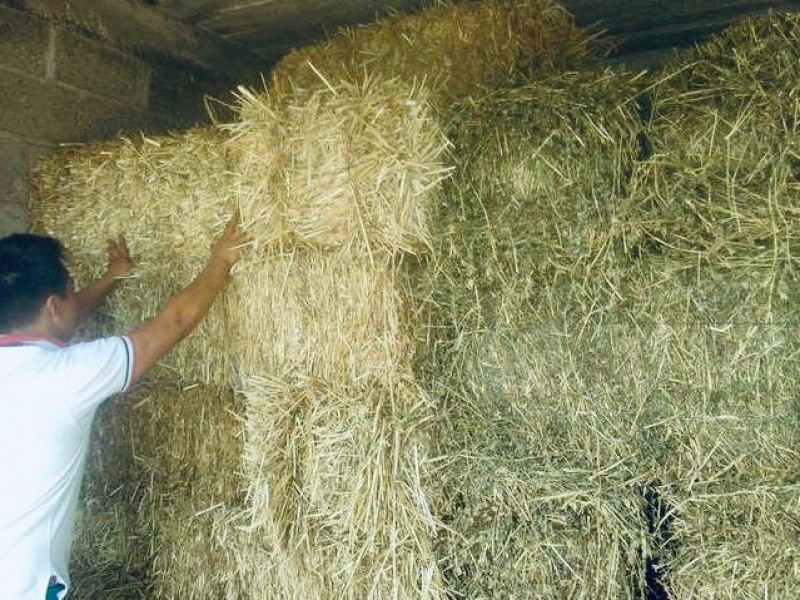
119	258
228	247
119	265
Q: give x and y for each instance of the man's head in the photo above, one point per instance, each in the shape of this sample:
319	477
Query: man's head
35	287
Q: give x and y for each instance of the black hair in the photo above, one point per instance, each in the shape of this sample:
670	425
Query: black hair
31	269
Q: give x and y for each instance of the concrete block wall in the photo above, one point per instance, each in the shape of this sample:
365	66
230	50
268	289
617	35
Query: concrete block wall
57	85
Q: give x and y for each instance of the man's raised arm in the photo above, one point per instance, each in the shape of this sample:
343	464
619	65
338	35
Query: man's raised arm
119	265
155	338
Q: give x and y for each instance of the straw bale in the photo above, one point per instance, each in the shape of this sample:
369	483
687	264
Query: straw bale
517	534
197	554
538	488
335	487
169	196
110	557
460	48
350	166
162	450
736	544
537	202
721	188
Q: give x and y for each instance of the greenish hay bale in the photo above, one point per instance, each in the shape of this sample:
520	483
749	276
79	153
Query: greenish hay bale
754	58
740	544
351	169
460	49
539	487
725	413
511	533
335	493
672	357
722	186
161	448
535	420
538	200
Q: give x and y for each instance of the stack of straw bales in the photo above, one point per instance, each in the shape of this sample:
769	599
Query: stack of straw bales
333	413
539	489
459	48
602	316
312	332
722	194
611	307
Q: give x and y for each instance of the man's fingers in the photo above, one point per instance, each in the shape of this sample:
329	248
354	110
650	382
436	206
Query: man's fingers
233	223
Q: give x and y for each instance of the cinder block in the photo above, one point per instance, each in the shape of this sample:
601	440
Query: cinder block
46	111
13	218
100	69
14	171
24	40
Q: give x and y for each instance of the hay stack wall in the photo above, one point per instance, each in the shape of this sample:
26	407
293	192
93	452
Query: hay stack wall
612	294
336	183
722	191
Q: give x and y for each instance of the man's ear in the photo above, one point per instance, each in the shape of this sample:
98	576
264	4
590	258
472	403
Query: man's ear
51	308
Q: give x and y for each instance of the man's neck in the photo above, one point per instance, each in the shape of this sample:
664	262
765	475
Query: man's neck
33	331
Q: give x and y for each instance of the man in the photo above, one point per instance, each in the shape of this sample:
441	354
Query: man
49	392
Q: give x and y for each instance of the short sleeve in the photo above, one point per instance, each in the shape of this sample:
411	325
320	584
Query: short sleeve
91	372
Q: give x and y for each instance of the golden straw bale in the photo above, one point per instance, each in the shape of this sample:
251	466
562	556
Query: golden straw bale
197	554
169	196
459	48
328	314
335	475
160	448
110	556
350	166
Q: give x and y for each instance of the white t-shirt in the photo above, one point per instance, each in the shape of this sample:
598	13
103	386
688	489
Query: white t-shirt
48	398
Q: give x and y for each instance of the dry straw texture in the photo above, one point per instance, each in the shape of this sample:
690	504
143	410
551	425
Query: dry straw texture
460	48
169	196
335	493
722	189
538	487
336	188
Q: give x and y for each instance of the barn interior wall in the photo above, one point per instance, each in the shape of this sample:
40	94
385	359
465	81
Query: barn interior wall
63	84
